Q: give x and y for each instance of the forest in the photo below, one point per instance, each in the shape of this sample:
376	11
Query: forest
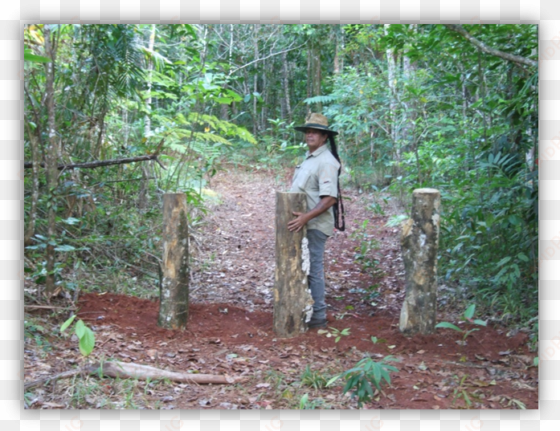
116	116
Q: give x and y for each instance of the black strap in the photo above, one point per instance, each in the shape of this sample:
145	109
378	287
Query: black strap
338	208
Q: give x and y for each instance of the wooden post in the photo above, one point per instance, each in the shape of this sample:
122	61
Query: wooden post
419	243
174	284
293	305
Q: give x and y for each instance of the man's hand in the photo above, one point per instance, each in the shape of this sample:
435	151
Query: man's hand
302	218
299	222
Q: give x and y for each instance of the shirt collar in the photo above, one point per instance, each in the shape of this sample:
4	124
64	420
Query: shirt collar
318	151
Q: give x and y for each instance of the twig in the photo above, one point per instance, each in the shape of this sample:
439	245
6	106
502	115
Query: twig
51	307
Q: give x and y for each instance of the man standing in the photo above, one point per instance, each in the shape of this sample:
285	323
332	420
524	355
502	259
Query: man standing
317	177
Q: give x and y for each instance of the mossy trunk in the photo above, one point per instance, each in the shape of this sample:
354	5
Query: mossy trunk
419	243
174	286
293	304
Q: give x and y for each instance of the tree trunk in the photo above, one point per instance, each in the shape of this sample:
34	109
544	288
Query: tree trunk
255	79
147	121
174	286
51	156
35	154
293	305
392	84
419	243
317	76
286	82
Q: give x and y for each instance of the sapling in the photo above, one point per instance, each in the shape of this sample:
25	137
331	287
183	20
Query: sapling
468	315
85	335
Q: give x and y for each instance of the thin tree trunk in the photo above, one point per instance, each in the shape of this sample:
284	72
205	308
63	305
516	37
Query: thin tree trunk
255	79
51	156
286	82
97	151
391	78
317	76
338	59
147	120
309	55
35	154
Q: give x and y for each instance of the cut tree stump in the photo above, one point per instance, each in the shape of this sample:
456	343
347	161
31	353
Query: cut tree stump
419	243
174	280
293	305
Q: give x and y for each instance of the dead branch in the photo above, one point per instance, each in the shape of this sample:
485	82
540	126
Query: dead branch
49	307
485	48
140	372
99	163
64	375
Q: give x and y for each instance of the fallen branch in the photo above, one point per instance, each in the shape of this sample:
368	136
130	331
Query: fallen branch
140	372
143	372
49	307
64	375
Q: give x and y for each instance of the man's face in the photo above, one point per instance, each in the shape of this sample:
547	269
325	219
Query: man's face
315	138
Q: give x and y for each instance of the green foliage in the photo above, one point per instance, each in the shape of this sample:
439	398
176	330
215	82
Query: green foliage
336	333
37	332
460	392
368	243
360	378
313	378
468	315
306	404
83	332
480	153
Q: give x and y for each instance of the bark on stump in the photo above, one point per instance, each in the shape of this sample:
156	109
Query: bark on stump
293	305
174	283
419	243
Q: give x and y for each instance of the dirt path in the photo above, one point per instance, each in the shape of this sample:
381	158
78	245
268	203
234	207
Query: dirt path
230	325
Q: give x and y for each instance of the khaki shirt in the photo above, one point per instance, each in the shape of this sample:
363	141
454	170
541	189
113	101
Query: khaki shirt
318	176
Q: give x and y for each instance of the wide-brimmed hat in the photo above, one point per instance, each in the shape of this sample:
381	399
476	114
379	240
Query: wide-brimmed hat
316	121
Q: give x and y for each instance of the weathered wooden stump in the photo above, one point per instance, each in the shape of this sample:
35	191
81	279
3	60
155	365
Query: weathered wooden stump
419	243
293	305
174	282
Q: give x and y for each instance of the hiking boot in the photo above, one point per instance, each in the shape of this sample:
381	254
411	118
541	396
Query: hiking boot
317	323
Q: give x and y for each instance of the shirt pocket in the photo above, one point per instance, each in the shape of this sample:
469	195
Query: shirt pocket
301	177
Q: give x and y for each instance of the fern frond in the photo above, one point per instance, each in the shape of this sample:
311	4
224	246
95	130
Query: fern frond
321	99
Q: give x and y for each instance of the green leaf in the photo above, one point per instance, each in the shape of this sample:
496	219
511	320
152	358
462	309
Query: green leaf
66	324
64	248
71	220
449	326
35	58
469	312
479	322
87	342
522	257
503	261
303	401
334	379
377	373
80	328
